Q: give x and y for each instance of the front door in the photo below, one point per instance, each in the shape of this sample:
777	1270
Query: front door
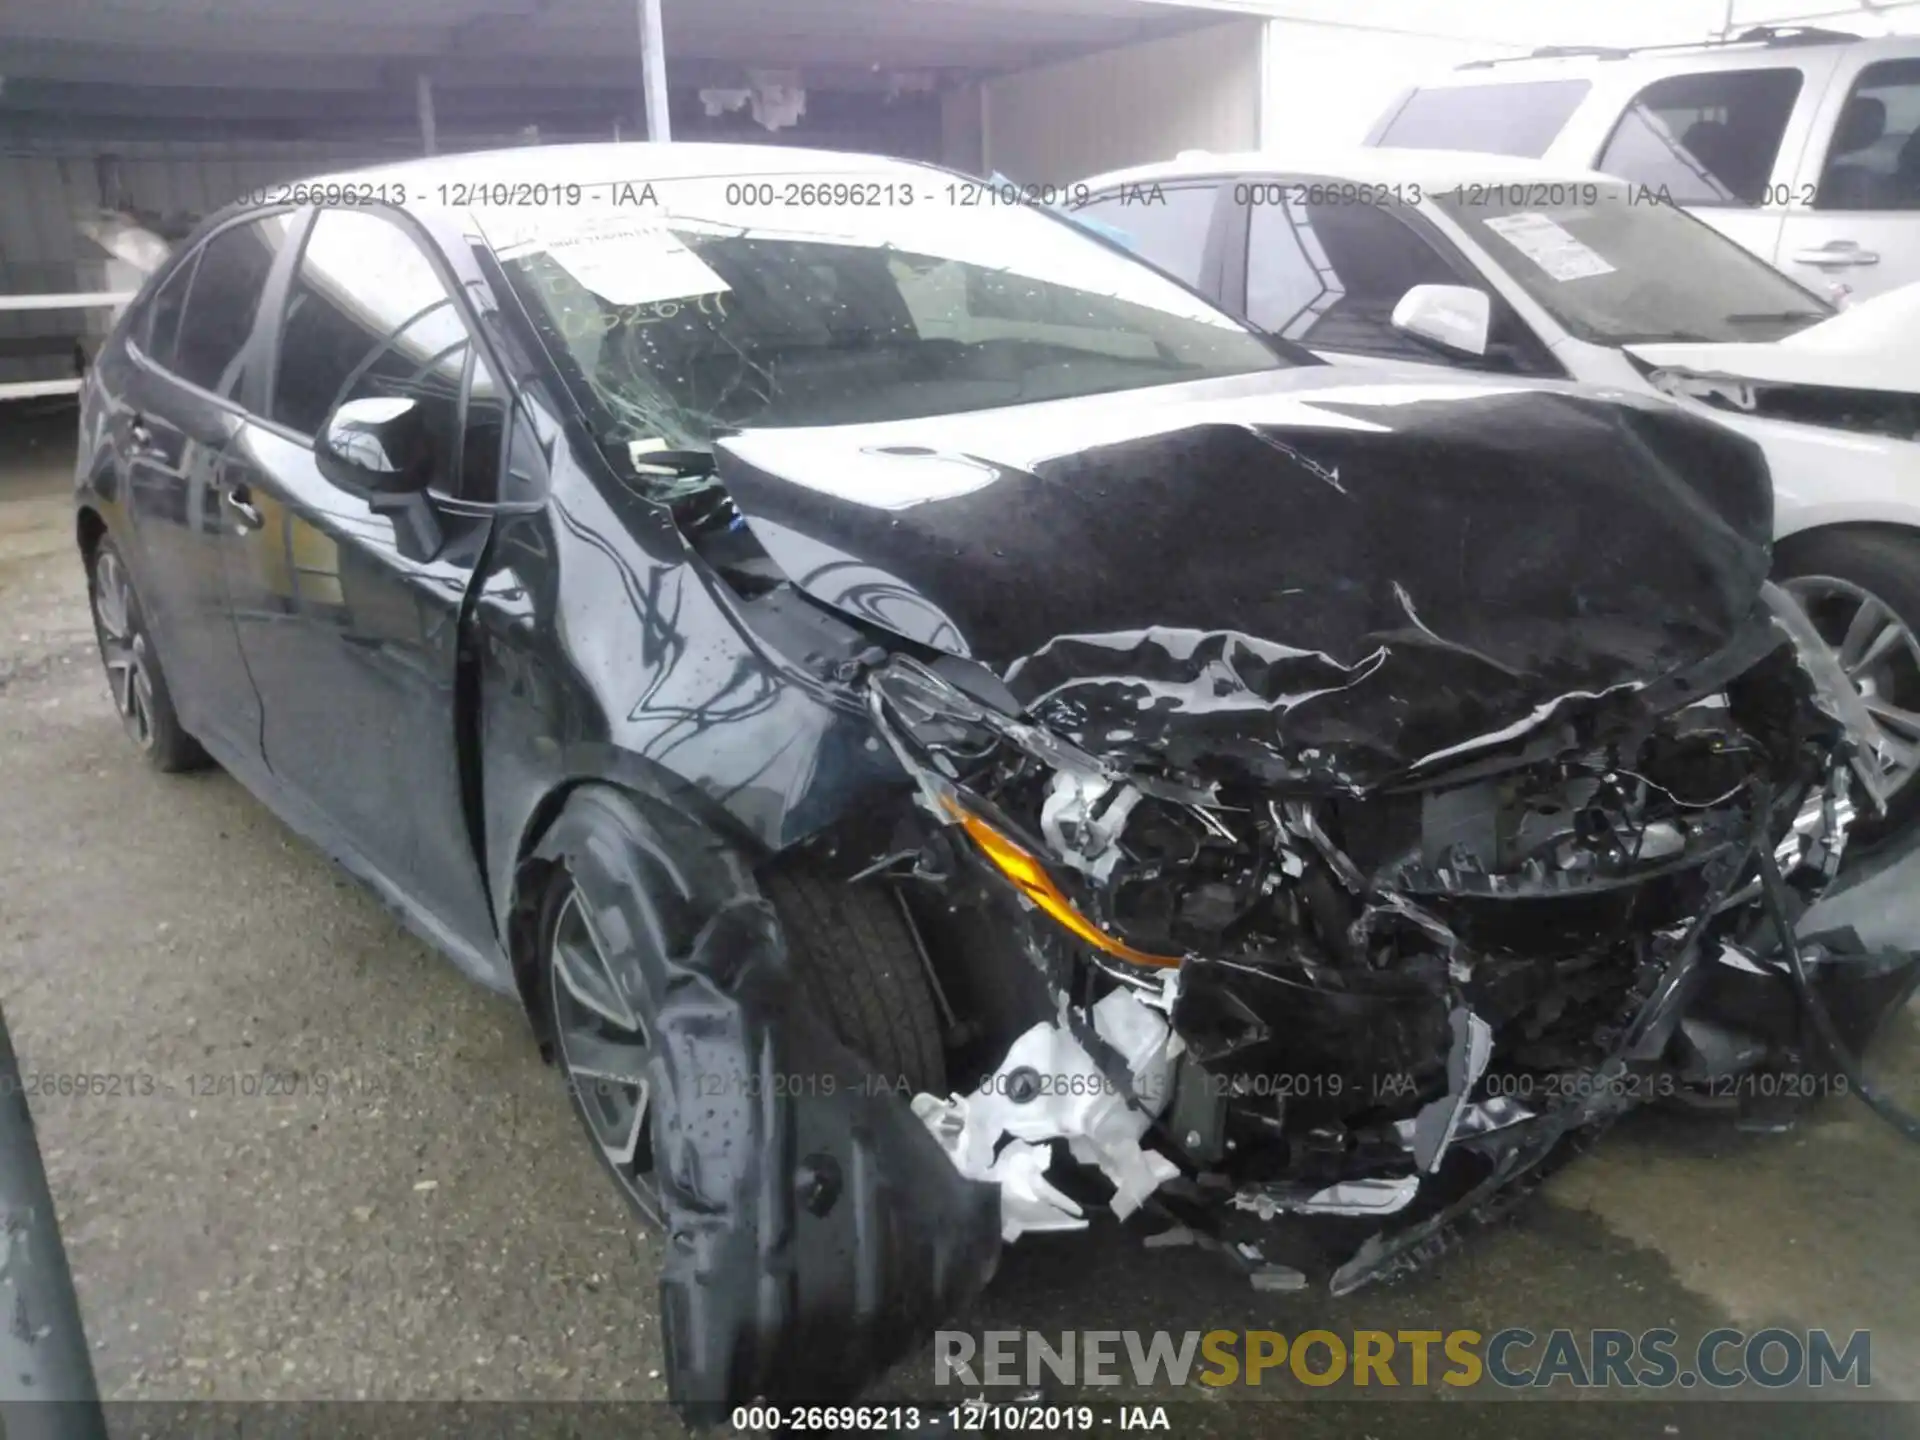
1717	141
350	621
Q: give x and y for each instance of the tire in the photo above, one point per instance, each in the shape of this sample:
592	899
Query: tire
135	679
856	951
1838	575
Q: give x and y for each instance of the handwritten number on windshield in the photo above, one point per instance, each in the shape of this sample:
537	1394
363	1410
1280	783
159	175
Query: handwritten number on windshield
579	324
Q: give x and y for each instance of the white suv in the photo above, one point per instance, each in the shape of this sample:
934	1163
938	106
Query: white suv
1802	145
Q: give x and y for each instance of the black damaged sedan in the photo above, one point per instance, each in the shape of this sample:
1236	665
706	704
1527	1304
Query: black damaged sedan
947	733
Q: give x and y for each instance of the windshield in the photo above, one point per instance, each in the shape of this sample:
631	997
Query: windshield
1623	268
722	308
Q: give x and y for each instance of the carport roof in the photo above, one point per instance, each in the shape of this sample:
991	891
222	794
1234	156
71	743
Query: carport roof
346	45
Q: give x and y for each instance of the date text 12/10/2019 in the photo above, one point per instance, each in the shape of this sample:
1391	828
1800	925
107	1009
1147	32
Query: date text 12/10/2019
968	1417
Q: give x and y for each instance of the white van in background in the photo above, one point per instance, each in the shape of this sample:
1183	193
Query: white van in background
1802	145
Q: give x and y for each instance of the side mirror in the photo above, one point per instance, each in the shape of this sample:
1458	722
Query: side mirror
1456	318
379	449
375	447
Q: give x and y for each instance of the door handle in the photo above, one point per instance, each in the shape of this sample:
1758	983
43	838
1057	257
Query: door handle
238	499
1836	253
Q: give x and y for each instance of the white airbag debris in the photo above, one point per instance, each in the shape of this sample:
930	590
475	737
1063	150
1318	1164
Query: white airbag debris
1049	1088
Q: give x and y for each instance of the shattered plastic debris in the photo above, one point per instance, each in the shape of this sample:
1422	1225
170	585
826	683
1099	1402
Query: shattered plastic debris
1349	1197
1048	1088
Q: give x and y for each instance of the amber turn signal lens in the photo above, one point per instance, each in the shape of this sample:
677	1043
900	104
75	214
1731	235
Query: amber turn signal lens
1032	880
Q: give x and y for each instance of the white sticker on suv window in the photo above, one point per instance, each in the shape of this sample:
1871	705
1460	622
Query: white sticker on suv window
1553	248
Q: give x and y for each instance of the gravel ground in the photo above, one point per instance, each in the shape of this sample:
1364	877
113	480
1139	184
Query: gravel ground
336	1171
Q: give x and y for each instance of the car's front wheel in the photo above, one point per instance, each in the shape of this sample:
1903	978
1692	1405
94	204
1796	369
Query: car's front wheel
602	1043
134	676
852	948
1861	588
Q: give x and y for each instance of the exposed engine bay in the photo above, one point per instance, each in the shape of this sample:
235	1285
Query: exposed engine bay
1381	1004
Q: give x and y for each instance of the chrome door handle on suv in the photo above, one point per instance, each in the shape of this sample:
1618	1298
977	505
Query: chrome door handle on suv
1836	253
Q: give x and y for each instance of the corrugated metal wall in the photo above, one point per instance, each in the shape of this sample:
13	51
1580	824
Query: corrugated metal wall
1059	123
44	187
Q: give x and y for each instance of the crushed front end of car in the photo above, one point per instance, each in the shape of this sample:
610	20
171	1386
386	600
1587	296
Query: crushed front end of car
1391	1004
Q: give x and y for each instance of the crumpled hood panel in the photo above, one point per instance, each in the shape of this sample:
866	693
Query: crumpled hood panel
1371	573
1873	345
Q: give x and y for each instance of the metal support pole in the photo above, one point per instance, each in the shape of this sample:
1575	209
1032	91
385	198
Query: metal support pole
653	64
423	103
47	1389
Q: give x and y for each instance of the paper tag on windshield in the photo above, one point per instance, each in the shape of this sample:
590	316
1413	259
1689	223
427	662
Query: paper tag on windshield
1550	246
632	262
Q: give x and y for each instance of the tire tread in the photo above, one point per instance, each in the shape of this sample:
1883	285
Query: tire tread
852	947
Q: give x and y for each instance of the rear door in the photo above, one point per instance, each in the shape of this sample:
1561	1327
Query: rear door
1855	222
349	616
191	349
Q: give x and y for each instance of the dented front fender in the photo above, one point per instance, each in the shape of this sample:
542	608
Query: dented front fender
815	1230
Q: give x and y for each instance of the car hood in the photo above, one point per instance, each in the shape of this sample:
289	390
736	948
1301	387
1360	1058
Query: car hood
1872	345
1309	573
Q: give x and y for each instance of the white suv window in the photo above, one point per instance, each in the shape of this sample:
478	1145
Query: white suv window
1874	160
1705	139
1518	118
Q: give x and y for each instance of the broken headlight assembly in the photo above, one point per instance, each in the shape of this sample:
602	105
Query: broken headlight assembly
1390	1004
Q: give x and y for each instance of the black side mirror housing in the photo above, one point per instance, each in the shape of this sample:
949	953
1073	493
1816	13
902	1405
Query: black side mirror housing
376	447
379	449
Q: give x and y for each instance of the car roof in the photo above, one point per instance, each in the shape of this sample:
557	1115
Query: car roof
1430	169
1587	62
637	161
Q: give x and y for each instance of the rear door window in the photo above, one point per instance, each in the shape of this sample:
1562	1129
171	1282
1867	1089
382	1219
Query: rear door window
1873	162
1522	118
1169	225
1705	139
227	283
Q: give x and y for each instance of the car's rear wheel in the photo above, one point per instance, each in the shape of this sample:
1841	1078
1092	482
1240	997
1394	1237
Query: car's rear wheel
1862	591
855	955
134	676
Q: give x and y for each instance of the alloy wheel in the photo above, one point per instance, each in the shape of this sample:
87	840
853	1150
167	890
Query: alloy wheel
605	1050
123	647
1881	655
